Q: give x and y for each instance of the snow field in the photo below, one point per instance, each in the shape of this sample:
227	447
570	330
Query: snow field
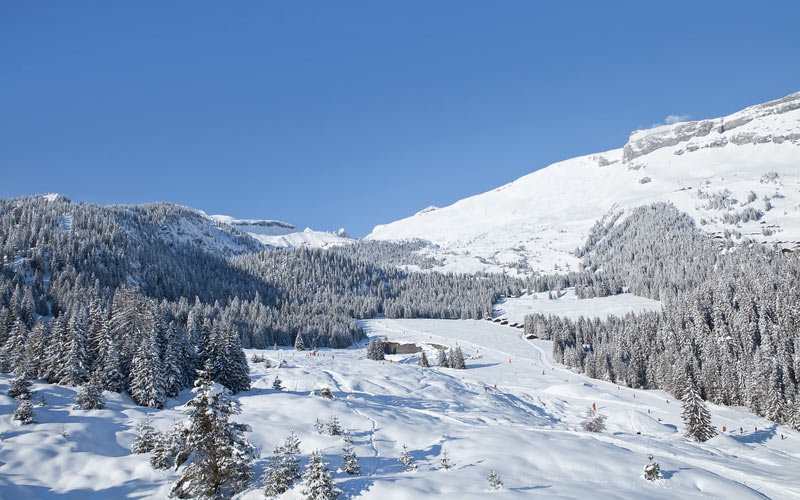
527	429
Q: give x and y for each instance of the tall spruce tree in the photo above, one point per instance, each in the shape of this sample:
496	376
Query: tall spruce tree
219	456
695	416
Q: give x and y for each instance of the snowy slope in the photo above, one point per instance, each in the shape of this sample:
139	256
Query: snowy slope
539	219
284	235
512	410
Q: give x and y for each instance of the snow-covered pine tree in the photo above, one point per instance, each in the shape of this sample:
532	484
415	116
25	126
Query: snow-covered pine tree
457	359
334	429
171	365
319	427
318	483
407	460
375	350
170	447
110	374
219	455
298	343
283	467
594	422
146	437
20	388
652	470
446	463
423	360
90	397
349	457
24	412
146	385
695	415
277	384
443	361
495	482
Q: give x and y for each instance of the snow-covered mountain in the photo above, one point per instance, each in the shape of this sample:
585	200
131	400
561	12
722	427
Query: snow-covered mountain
275	233
724	172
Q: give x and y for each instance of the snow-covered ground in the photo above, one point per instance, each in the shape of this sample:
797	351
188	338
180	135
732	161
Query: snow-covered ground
539	219
569	306
512	410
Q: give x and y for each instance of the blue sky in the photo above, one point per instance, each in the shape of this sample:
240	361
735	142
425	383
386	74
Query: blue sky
329	114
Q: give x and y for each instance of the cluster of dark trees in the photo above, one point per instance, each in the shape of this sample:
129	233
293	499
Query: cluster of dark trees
137	298
729	323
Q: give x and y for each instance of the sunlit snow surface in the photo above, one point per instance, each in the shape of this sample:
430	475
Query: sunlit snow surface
527	428
569	306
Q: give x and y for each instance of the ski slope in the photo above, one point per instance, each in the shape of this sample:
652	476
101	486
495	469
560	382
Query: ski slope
534	223
512	410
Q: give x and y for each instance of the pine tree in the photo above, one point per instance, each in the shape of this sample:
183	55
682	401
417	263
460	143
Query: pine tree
423	360
110	374
219	455
375	350
283	467
349	457
334	429
695	416
20	388
298	343
146	437
495	482
277	384
457	359
407	460
318	484
446	463
172	375
24	412
443	361
146	385
90	397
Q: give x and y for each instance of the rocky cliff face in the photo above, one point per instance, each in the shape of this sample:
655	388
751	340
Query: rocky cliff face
750	125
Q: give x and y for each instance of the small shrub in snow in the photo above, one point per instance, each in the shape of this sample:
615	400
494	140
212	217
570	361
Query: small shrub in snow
407	460
20	388
90	397
257	358
652	471
349	458
146	437
319	427
41	401
267	363
318	484
495	482
594	422
24	412
276	384
446	463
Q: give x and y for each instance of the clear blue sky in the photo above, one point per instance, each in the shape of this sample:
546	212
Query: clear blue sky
329	114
